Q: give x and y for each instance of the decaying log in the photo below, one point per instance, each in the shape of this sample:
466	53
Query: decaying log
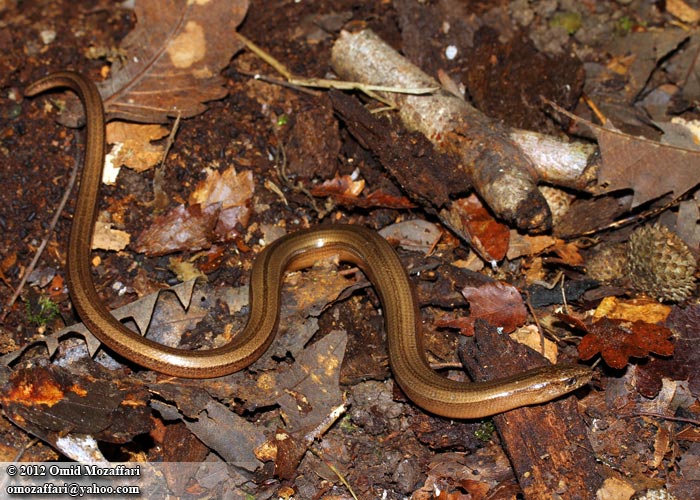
488	155
547	444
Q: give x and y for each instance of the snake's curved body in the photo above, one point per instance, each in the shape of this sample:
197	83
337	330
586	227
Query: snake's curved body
354	244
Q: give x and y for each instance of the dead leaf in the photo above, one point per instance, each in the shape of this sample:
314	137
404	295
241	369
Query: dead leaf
615	488
486	233
531	336
498	303
648	310
686	361
230	435
136	151
524	244
218	209
568	254
345	191
417	235
229	188
651	169
681	10
181	229
175	54
618	340
108	238
345	186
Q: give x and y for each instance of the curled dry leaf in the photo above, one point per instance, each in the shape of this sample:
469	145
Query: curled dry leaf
183	228
174	57
346	191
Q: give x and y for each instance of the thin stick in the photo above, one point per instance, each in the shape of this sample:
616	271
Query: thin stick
325	83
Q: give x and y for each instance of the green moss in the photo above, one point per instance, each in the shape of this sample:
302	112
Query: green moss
44	311
485	431
571	21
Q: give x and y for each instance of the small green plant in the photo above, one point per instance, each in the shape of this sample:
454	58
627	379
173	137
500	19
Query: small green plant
626	25
44	311
347	426
282	120
485	430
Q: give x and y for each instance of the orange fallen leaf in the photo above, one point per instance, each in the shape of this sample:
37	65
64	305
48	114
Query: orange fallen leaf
485	231
618	340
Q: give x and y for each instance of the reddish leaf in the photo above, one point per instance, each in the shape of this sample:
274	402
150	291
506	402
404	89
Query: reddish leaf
498	303
618	340
346	191
485	231
464	325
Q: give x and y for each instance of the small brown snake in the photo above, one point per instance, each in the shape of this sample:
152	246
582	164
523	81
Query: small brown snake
353	244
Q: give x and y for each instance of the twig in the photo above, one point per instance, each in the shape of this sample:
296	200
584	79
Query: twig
663	417
30	268
24	449
335	471
326	83
171	139
637	218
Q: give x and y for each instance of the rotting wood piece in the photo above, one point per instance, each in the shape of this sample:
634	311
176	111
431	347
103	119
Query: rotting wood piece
546	444
408	156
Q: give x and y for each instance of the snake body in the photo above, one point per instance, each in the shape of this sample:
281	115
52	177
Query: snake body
354	244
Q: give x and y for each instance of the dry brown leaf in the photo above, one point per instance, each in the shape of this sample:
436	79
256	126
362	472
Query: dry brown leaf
218	206
174	55
498	303
417	235
233	192
682	11
180	229
651	169
524	244
346	191
229	188
108	238
648	310
531	336
136	151
340	185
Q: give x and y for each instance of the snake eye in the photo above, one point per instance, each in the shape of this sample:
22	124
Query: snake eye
571	382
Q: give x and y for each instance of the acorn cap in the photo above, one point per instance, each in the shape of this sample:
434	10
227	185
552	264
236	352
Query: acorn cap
660	264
